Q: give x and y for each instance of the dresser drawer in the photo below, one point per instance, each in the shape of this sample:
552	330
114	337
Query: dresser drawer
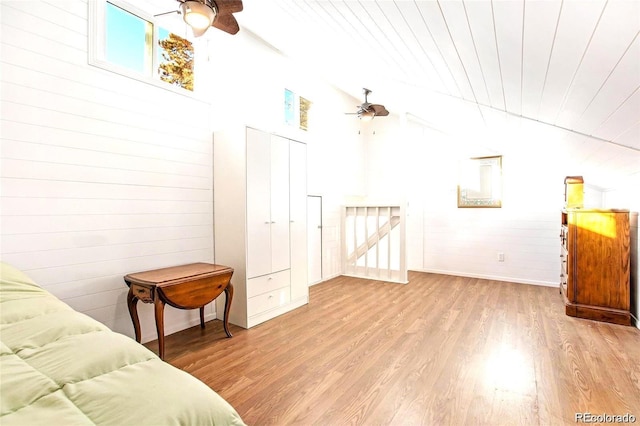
264	302
267	283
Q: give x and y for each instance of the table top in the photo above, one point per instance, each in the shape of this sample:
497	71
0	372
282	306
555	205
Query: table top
177	274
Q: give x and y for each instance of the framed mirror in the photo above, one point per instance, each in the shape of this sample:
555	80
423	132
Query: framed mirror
480	182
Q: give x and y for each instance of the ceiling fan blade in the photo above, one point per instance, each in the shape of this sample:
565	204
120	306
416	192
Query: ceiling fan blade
380	110
228	6
226	23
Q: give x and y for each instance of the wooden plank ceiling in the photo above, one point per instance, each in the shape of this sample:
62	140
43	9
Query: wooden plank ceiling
572	64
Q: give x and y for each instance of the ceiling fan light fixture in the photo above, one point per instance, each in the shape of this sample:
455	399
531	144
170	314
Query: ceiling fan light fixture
198	16
367	115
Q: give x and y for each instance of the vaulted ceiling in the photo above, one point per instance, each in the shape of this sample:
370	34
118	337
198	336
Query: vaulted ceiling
574	64
455	64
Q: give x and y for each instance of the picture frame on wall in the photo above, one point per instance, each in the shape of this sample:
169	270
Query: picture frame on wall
480	182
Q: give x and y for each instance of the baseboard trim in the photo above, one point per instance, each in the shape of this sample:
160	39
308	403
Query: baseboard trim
270	314
635	321
324	279
490	277
376	279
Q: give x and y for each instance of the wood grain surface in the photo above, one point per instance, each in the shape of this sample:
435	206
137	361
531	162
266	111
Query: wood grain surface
440	350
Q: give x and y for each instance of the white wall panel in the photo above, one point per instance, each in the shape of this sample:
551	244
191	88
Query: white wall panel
85	206
571	41
43	152
71	48
104	145
624	79
100	175
26	243
481	23
59	189
92	123
49	170
51	24
615	31
443	80
26	223
75	256
434	19
540	23
622	118
458	25
508	28
630	138
61	15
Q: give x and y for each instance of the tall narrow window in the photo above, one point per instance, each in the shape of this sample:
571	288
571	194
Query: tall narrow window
305	105
128	40
175	59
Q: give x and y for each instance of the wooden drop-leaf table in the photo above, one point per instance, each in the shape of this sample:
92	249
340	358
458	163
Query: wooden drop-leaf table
189	286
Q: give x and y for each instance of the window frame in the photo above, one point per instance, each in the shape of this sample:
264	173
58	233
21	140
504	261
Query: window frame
97	42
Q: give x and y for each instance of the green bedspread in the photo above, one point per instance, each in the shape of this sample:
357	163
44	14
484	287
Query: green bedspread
59	366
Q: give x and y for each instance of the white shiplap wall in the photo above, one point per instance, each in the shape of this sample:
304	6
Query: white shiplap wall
100	174
420	165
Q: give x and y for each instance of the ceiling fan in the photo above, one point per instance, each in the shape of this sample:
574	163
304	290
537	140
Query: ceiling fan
202	14
367	111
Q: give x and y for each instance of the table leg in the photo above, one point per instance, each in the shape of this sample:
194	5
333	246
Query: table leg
227	306
201	316
132	302
159	310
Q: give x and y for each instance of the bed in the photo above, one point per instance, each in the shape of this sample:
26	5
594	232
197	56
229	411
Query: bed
61	366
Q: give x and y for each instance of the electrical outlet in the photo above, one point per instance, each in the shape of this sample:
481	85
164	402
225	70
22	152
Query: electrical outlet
500	257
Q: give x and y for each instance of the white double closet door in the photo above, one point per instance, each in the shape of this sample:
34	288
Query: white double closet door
268	222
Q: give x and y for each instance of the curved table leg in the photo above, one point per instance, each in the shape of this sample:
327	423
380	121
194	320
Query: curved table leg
227	306
132	302
159	310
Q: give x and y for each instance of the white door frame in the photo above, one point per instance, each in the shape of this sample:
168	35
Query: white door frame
310	239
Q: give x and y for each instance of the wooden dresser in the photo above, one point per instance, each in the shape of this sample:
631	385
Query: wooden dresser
595	264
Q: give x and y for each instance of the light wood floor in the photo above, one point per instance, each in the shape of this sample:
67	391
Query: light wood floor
439	350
